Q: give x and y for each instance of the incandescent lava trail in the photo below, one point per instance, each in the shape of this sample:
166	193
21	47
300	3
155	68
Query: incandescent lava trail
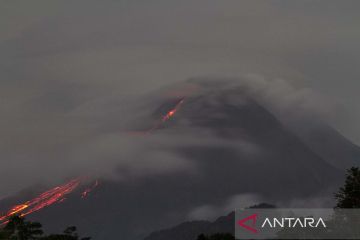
167	116
54	195
172	112
58	194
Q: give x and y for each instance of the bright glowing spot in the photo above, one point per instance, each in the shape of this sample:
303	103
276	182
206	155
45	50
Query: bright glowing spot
54	195
172	112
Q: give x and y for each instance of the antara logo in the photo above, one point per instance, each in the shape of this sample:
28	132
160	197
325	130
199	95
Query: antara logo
289	222
247	227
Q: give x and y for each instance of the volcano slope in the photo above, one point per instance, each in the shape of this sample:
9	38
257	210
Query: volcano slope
231	145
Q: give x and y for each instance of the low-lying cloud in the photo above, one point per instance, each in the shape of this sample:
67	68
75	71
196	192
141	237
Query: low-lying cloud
105	137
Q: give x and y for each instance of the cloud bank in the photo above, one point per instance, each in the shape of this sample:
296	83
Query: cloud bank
104	137
74	80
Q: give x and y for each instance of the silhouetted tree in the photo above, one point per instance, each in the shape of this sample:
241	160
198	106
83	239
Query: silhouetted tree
202	237
19	229
216	236
349	195
69	234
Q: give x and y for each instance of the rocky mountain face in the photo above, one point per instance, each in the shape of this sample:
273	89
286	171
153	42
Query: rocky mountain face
234	145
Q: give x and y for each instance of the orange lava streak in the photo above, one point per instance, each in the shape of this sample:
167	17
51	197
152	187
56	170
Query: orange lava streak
172	112
57	194
45	199
86	192
18	208
163	119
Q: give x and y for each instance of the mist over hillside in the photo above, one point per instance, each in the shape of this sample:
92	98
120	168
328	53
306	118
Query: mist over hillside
220	148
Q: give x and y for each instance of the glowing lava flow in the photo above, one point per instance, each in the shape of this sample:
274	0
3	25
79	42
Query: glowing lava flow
54	195
57	194
165	118
172	112
159	123
86	192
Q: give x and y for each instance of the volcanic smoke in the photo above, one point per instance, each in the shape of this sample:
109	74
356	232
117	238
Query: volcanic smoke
58	194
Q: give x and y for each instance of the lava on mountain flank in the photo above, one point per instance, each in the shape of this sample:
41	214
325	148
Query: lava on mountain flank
58	194
54	195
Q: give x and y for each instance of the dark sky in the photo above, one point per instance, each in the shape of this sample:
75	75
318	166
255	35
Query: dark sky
65	65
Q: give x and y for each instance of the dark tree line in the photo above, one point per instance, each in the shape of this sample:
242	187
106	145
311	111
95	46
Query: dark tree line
217	236
19	229
349	195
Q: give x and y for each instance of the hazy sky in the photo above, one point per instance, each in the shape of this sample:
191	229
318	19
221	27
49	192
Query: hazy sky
61	57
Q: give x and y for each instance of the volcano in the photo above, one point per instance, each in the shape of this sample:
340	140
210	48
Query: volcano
234	144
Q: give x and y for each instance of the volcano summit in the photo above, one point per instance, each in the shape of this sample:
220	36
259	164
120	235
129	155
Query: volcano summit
210	147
